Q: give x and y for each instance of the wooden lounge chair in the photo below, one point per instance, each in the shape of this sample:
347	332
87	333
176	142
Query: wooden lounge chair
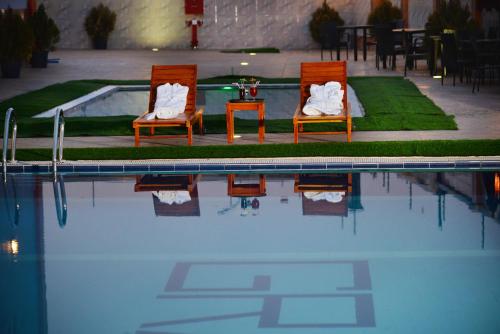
324	183
321	73
172	183
184	75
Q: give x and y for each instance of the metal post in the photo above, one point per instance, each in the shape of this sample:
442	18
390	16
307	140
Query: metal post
58	139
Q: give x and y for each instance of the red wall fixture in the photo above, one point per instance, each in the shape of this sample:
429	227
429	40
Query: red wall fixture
193	7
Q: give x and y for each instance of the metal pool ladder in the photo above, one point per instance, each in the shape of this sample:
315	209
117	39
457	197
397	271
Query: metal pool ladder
58	140
9	115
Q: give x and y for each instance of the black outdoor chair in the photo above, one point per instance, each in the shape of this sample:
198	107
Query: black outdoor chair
416	49
332	39
486	62
449	57
454	59
386	46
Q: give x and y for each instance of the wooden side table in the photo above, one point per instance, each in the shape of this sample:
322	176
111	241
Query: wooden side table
241	105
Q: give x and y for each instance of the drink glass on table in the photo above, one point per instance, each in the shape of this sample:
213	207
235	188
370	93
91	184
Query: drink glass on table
253	90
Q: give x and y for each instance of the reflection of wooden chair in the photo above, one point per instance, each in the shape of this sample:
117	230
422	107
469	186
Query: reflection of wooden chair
172	183
246	189
320	74
184	75
323	183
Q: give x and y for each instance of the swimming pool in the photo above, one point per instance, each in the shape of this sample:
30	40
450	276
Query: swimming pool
372	252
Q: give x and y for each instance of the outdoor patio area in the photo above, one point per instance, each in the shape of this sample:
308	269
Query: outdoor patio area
476	114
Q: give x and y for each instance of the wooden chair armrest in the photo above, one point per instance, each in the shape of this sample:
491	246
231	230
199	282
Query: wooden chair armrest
200	109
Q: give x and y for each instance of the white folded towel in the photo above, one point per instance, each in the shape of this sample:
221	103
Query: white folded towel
325	99
329	196
170	101
172	196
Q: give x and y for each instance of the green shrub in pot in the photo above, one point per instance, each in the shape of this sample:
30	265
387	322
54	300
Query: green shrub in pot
384	13
46	35
16	42
323	14
99	24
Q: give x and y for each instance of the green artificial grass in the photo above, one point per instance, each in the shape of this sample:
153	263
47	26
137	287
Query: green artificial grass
391	103
252	50
429	148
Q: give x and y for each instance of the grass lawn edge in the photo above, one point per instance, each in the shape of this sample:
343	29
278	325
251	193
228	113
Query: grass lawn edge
430	148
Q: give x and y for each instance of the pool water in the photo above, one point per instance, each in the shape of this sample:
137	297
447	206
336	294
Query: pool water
280	103
314	253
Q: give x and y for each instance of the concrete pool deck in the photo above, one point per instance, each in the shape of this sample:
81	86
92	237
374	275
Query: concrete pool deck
477	115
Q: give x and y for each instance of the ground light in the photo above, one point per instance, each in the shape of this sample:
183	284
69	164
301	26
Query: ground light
227	88
252	54
437	77
244	63
155	49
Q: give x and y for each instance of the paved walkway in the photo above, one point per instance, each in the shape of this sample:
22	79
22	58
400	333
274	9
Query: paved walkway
477	115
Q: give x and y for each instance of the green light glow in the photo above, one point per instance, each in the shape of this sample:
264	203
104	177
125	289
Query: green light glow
227	88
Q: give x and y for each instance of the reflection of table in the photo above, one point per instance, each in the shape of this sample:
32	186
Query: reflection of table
241	105
246	189
355	29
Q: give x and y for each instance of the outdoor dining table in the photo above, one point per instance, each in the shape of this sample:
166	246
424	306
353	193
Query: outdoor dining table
355	29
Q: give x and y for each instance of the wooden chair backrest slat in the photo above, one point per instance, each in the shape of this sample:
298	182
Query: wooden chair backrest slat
185	75
320	74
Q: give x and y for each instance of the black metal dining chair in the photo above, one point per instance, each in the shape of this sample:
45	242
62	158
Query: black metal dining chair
386	47
332	39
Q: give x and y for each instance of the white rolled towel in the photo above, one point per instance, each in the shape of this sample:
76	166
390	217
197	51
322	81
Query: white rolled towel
325	99
172	196
170	101
329	196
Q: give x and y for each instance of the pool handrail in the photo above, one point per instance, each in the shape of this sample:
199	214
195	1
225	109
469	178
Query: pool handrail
58	139
9	115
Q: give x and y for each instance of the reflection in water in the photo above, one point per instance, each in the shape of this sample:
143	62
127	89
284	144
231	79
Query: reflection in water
176	254
60	200
10	200
170	188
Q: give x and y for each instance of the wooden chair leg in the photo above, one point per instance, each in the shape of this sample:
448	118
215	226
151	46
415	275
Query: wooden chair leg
200	124
151	131
137	138
349	129
190	133
295	133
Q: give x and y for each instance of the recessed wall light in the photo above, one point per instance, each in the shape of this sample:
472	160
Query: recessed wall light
155	49
244	63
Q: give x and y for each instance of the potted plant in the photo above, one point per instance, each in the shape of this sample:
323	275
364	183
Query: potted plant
99	23
16	41
450	16
46	36
325	13
384	13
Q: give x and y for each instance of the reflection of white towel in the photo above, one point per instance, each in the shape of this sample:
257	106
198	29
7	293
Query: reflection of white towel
170	101
329	196
170	196
325	99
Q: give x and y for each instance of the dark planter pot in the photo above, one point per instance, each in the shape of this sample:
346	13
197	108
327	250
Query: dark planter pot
100	43
39	59
11	70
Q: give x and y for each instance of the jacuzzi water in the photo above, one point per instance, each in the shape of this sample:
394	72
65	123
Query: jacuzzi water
217	254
